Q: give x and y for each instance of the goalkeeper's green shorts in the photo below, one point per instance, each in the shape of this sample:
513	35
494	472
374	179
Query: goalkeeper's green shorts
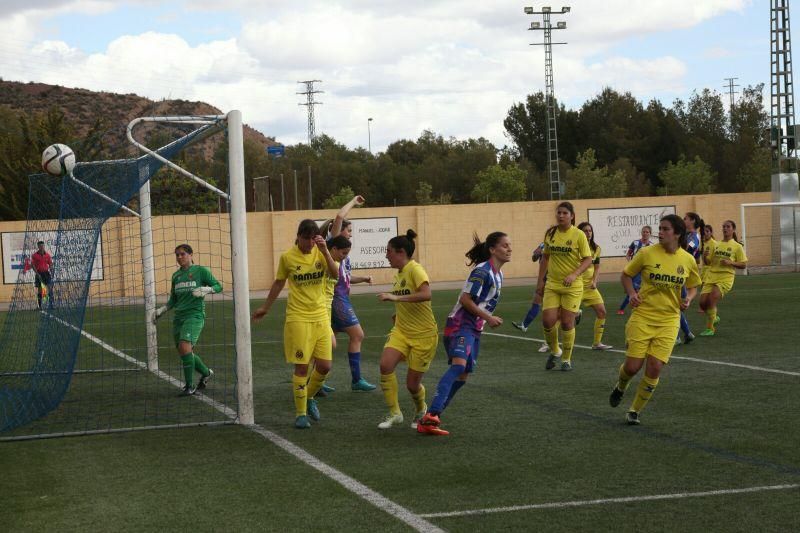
187	330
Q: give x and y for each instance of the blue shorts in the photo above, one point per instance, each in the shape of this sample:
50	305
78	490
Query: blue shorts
637	282
343	315
463	344
683	292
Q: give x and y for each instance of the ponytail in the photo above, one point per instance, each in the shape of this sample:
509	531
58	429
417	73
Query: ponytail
481	251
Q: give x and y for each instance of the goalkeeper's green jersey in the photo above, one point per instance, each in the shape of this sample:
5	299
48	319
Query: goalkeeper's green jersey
183	283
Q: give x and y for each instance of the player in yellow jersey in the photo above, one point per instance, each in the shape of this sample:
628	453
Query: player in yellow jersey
650	333
415	335
307	331
566	257
723	258
591	296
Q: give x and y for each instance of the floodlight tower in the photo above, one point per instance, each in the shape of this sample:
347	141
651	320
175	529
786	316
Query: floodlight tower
782	131
552	141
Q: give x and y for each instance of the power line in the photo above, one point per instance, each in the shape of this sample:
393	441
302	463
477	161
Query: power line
730	85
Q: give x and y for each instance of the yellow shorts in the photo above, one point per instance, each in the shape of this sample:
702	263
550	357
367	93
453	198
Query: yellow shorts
418	353
643	339
304	340
591	297
722	281
568	298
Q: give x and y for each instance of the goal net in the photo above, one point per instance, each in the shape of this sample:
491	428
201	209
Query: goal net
770	236
91	359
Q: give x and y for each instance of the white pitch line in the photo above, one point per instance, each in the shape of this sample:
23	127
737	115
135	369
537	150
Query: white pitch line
356	487
684	358
628	499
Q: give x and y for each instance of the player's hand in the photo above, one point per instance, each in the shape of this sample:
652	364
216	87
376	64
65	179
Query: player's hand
319	240
159	312
726	262
387	297
369	280
494	321
569	280
258	314
201	292
536	255
685	303
593	285
359	200
635	300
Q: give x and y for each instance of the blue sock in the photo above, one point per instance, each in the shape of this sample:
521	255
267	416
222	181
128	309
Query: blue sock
685	325
443	389
354	358
532	312
453	390
624	303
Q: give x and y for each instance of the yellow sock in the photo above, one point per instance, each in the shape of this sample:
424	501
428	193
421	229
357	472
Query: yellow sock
566	344
599	329
315	382
551	336
419	399
711	316
389	388
624	378
300	391
643	393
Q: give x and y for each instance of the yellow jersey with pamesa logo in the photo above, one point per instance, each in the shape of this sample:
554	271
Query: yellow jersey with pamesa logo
663	275
413	319
306	276
720	250
565	251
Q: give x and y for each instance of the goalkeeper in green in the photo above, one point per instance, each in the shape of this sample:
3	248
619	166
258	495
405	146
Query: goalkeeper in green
190	285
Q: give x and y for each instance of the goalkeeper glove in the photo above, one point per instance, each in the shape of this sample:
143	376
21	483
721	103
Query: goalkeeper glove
201	292
160	311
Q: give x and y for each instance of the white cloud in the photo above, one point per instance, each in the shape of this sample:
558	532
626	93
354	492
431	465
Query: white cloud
452	66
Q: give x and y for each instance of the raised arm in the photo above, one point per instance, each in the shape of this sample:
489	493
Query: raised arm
274	291
336	227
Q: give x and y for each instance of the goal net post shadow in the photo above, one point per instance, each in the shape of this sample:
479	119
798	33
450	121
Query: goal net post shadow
92	360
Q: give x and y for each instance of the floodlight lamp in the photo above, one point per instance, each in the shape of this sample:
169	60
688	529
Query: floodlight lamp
529	10
546	9
561	26
565	9
536	25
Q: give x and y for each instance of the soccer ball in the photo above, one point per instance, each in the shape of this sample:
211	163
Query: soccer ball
58	159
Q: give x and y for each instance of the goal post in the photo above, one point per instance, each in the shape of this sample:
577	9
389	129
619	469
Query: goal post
92	360
770	236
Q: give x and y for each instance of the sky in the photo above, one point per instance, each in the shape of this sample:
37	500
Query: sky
451	66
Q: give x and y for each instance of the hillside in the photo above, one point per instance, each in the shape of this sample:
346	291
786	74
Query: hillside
82	107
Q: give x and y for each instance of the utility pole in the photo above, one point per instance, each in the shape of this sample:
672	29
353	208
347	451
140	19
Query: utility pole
552	106
310	103
730	85
369	136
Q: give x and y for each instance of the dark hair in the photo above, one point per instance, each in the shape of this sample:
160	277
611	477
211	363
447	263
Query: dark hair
326	226
40	242
481	251
307	229
340	241
552	231
404	242
678	226
185	247
592	244
735	237
710	229
699	224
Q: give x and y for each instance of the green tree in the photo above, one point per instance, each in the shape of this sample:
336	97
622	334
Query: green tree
756	173
498	184
424	193
588	181
174	194
337	200
687	177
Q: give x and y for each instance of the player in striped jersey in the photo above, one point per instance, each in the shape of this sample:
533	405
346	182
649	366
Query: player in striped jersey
633	249
462	333
694	245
